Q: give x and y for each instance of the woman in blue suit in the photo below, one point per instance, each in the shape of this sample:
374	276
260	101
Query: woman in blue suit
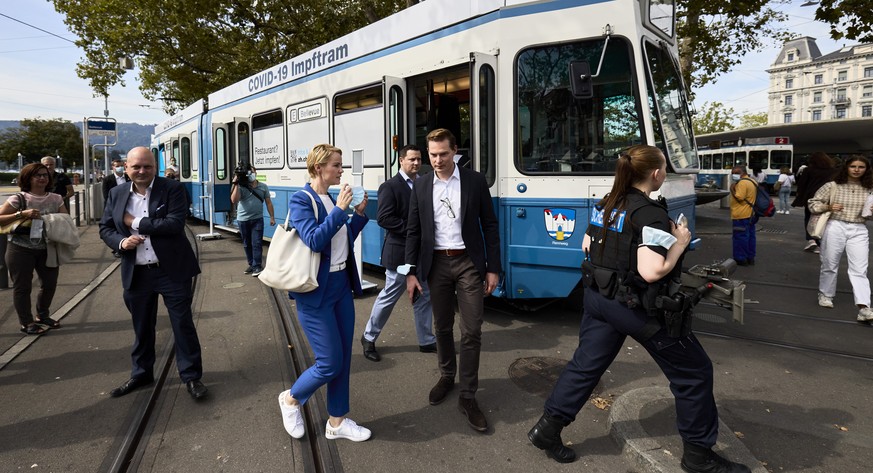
327	314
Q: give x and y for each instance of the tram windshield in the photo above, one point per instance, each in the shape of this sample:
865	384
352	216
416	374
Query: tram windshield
669	106
560	134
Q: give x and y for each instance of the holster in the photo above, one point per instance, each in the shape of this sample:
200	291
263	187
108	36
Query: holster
676	312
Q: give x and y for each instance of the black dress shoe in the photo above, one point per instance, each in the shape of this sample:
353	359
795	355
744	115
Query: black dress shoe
429	348
196	389
546	435
698	459
129	386
440	390
474	416
370	352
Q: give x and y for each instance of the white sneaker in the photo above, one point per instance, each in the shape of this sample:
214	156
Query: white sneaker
291	417
865	315
825	301
816	250
787	212
810	245
348	429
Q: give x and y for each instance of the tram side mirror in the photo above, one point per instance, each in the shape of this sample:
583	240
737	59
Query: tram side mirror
581	83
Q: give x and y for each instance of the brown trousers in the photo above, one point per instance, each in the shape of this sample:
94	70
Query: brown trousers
22	262
454	277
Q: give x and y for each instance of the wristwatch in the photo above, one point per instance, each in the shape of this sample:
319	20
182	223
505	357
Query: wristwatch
18	214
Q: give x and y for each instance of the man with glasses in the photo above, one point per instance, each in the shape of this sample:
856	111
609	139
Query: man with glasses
452	240
63	184
393	211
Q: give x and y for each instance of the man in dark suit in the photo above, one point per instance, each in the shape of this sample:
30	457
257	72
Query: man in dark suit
452	240
393	211
146	221
118	176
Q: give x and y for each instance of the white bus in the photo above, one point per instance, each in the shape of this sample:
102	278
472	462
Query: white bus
507	77
767	154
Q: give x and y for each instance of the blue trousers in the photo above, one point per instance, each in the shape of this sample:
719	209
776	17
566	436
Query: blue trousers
605	325
744	239
142	302
329	328
252	234
784	198
395	287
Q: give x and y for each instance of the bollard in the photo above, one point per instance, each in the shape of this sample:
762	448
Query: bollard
78	208
4	271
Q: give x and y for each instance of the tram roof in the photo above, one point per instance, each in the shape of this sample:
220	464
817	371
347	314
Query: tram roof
831	136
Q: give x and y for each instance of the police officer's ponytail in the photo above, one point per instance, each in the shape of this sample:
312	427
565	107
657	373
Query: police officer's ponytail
633	166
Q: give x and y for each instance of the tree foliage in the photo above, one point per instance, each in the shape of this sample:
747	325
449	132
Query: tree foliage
753	120
35	138
183	57
850	19
713	118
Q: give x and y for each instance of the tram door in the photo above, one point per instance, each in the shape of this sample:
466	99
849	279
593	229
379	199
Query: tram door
219	187
393	98
241	154
483	108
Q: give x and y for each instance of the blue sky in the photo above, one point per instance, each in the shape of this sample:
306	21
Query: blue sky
38	71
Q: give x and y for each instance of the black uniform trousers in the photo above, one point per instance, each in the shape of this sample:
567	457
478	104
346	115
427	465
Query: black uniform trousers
605	325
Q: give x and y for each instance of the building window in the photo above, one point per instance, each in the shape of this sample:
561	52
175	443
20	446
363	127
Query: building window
868	72
819	79
867	91
786	118
789	83
867	111
842	76
789	100
841	95
790	56
816	97
840	112
816	115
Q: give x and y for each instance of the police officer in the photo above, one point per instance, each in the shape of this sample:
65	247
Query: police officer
633	252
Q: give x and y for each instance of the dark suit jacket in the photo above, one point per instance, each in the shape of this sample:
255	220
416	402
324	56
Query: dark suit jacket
479	221
165	226
316	234
109	183
393	212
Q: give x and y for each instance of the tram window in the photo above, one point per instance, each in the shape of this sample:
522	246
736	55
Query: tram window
740	158
559	134
705	161
671	120
242	140
175	156
185	165
268	143
487	153
758	159
780	158
220	154
717	161
358	99
442	100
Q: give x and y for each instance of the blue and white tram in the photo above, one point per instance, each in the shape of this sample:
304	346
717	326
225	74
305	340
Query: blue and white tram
768	154
494	72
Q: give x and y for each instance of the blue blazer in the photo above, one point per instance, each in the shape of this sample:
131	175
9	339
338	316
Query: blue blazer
165	226
317	234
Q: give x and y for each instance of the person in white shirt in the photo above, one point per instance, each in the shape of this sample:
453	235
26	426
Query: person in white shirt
785	181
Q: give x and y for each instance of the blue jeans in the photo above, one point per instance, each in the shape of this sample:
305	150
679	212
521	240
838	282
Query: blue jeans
395	288
784	195
252	233
744	240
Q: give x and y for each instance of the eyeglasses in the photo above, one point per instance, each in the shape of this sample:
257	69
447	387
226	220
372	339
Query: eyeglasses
41	176
449	211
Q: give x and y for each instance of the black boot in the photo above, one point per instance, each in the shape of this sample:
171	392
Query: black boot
697	459
546	435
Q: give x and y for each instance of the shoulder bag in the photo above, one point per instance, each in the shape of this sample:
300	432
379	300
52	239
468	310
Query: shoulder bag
291	265
818	222
19	226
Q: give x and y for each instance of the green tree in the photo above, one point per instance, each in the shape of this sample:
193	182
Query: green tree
713	118
753	120
183	57
35	138
850	19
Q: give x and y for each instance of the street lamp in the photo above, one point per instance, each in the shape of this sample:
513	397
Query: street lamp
20	162
809	3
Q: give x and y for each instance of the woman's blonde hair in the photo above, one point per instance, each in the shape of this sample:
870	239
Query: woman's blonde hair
320	154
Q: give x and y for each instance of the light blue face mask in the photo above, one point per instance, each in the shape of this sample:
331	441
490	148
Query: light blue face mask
251	177
119	169
735	177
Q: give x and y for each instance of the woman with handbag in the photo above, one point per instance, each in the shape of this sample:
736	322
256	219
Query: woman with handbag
845	199
27	250
327	313
819	170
